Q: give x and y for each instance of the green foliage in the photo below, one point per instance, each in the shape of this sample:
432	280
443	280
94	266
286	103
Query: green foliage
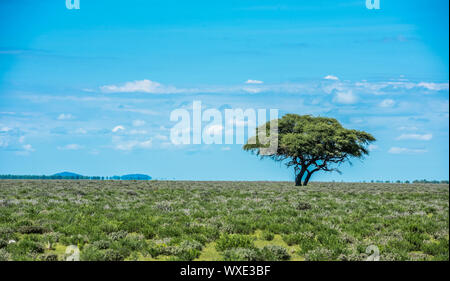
4	255
267	235
92	253
241	254
267	253
311	144
170	220
274	253
49	257
188	250
229	241
27	229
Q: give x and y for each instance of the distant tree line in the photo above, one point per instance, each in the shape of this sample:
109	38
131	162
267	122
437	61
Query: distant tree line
142	177
414	181
58	177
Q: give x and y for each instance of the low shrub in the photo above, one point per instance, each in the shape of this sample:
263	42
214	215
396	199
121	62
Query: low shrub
230	241
112	255
91	253
274	253
26	247
241	254
118	235
102	244
29	229
267	235
4	255
49	257
3	243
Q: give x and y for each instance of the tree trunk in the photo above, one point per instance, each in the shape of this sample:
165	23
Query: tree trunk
299	177
308	176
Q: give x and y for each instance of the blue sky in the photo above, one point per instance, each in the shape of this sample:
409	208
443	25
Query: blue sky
68	78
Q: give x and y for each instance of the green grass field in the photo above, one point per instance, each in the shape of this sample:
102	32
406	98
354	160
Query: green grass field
182	220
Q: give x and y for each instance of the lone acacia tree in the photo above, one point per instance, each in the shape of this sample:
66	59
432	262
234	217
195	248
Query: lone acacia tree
311	144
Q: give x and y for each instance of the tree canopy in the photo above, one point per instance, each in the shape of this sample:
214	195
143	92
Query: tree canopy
311	144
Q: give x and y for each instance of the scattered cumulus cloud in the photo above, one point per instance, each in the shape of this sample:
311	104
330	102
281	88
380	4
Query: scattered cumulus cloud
331	77
404	150
345	97
138	123
3	141
252	90
64	116
372	147
118	128
387	103
424	137
433	86
81	131
28	148
250	81
140	111
132	144
408	128
138	132
144	86
258	86
161	137
72	146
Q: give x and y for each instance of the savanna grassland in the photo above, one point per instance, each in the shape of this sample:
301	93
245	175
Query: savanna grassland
182	220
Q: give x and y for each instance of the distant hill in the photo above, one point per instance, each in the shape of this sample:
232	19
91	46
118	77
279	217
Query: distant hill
74	176
135	177
67	174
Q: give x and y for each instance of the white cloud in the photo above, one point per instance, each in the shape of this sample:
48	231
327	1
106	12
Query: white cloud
387	103
252	90
372	147
258	86
130	145
408	128
404	150
3	141
424	137
80	131
141	111
5	129
72	146
226	148
118	128
376	87
64	116
145	86
331	77
250	81
433	86
345	97
138	123
161	137
138	132
28	147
